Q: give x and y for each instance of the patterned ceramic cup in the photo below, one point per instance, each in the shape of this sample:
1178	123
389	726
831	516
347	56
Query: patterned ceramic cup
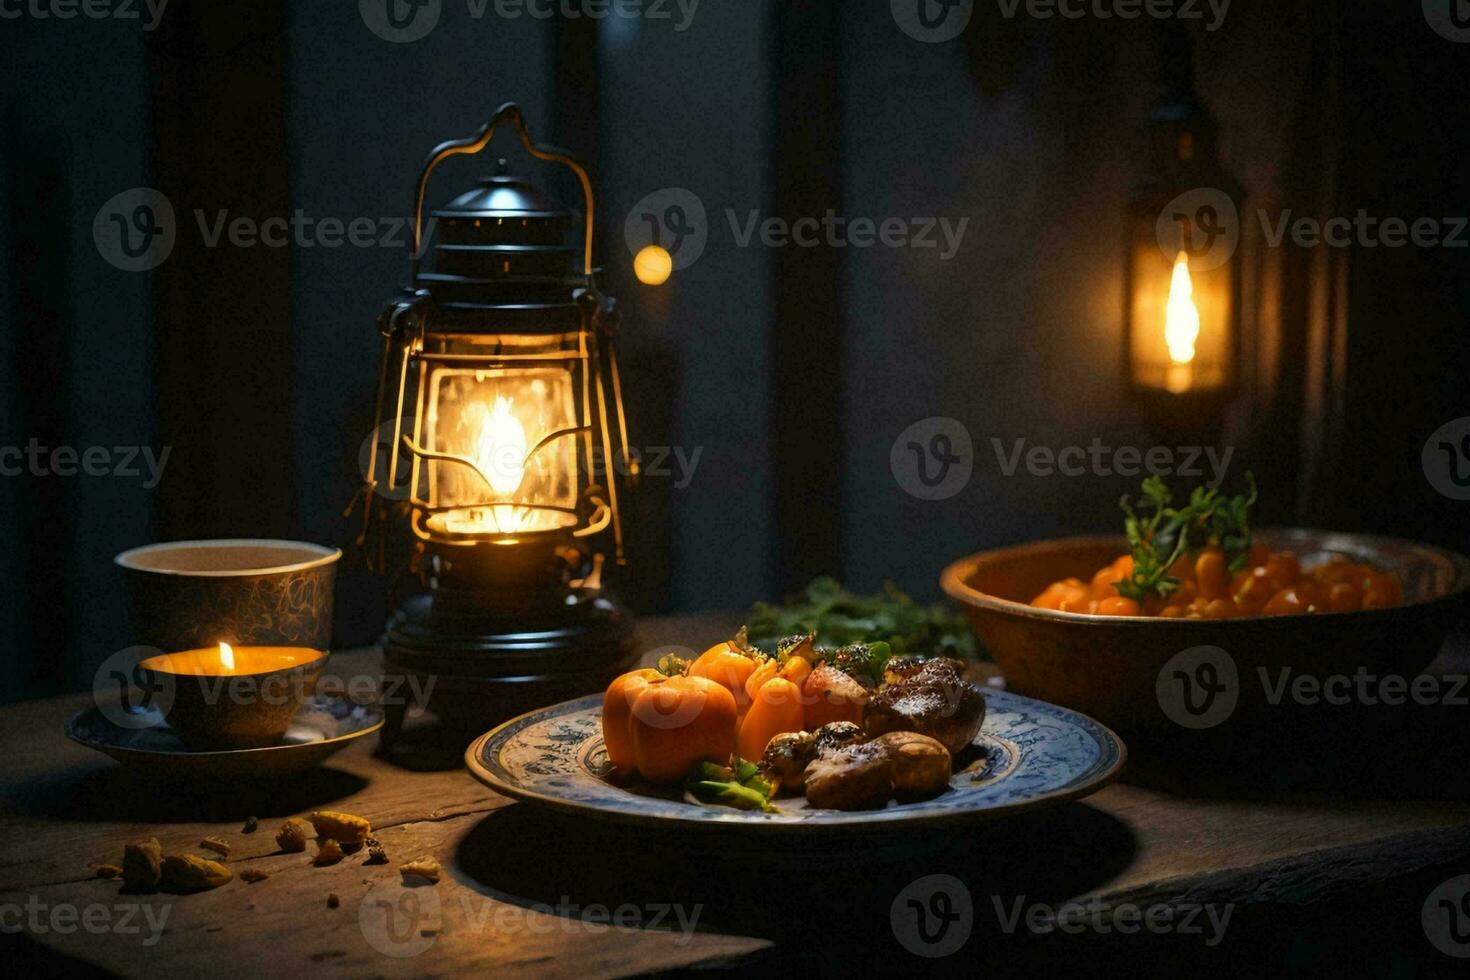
188	595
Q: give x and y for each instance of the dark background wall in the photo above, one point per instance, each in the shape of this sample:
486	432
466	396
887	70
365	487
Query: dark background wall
792	370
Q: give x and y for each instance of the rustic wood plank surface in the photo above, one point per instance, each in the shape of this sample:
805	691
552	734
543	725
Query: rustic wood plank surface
530	893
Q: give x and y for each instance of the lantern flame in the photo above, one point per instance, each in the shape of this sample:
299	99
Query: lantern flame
500	451
1181	320
227	657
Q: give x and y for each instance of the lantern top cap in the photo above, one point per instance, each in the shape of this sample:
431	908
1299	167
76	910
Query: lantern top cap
504	196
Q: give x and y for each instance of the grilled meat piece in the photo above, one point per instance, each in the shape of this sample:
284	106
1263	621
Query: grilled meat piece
865	775
788	754
786	758
921	765
836	734
930	697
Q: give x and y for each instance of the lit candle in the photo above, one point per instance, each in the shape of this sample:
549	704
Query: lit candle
231	661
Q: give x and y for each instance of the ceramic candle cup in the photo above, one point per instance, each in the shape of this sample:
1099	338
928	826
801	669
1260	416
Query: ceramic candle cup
230	697
192	595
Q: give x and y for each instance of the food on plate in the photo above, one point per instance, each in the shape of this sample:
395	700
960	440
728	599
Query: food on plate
776	708
867	774
617	711
788	754
930	697
677	722
737	726
831	695
741	785
1197	562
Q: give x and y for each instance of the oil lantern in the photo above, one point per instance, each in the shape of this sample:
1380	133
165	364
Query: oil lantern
1182	285
500	452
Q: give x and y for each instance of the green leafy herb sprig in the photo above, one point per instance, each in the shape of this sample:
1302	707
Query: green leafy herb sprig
840	618
1159	534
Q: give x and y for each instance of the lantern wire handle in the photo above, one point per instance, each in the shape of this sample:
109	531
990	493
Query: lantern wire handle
510	112
430	454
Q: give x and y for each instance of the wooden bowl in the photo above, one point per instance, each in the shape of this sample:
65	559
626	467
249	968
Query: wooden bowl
1113	667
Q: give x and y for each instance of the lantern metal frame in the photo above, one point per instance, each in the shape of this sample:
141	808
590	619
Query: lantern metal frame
409	335
1182	159
515	618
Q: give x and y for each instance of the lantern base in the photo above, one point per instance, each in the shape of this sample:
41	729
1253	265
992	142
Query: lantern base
473	674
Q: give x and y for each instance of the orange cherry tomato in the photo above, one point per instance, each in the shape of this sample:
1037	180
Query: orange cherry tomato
1211	574
1272	583
1117	606
777	708
1287	602
1283	570
1219	609
1104	583
617	711
727	666
679	721
1344	597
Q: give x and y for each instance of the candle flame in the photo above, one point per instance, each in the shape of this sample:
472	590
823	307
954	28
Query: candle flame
1181	320
227	657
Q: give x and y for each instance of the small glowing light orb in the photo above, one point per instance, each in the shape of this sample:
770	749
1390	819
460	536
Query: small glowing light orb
653	265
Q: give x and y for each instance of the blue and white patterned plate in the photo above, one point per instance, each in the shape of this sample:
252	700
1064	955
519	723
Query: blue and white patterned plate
1028	753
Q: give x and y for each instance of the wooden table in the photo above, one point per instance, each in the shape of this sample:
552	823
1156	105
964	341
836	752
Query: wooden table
1315	882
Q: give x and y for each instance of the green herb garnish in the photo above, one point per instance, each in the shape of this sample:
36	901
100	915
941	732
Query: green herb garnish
1159	534
839	618
739	785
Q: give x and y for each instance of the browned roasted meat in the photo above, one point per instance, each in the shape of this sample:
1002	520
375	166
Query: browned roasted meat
865	775
788	754
930	697
786	758
836	734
